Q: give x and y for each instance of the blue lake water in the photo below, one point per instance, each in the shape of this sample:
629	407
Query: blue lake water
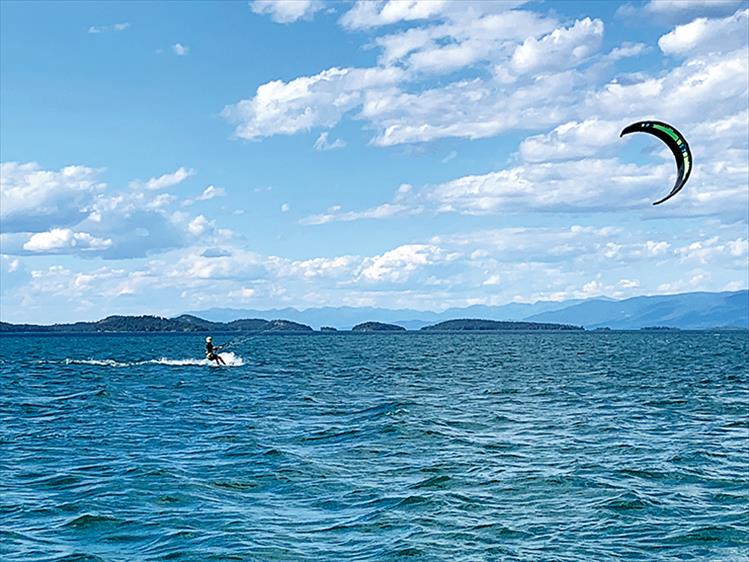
493	446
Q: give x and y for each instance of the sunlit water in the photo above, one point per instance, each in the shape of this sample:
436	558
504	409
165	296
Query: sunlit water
495	446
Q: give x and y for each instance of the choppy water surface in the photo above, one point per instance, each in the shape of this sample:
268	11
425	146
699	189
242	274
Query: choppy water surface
503	446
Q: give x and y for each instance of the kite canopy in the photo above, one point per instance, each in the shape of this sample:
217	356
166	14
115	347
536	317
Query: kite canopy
675	141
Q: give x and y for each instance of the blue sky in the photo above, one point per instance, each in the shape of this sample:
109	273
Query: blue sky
162	157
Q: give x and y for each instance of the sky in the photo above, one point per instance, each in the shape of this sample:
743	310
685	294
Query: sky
164	157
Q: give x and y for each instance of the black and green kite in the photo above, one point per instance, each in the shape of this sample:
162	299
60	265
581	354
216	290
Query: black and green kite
675	141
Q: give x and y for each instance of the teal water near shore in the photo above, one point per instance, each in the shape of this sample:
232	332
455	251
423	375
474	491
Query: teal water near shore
489	446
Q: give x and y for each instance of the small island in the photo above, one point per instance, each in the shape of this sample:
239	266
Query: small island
286	326
377	327
474	324
328	329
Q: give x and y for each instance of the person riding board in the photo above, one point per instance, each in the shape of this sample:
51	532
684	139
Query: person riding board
210	351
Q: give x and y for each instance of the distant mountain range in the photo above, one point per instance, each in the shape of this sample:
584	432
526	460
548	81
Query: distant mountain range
693	311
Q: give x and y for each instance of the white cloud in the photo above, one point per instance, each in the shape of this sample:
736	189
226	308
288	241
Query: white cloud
493	280
64	238
462	42
590	184
165	180
629	283
626	50
521	73
571	140
285	208
386	210
9	264
713	249
303	103
706	35
32	198
243	293
108	28
287	11
367	13
335	267
200	225
562	48
322	143
375	13
211	192
180	50
469	109
322	100
398	264
704	87
71	212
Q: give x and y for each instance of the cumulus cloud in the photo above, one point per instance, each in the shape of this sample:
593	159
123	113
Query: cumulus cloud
375	13
200	225
714	249
565	47
398	264
469	109
461	42
541	76
71	212
303	103
287	11
63	239
626	50
592	184
180	50
366	14
34	199
571	140
703	87
706	35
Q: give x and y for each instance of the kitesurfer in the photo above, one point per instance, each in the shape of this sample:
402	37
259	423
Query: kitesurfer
210	351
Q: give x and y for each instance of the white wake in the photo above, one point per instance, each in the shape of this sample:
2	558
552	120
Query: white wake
229	358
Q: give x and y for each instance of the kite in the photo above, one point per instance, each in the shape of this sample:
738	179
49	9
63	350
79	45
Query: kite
675	141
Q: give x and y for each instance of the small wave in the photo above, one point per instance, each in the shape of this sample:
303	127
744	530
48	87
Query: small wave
90	520
229	358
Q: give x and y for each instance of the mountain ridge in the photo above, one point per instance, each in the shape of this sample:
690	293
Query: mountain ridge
694	310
